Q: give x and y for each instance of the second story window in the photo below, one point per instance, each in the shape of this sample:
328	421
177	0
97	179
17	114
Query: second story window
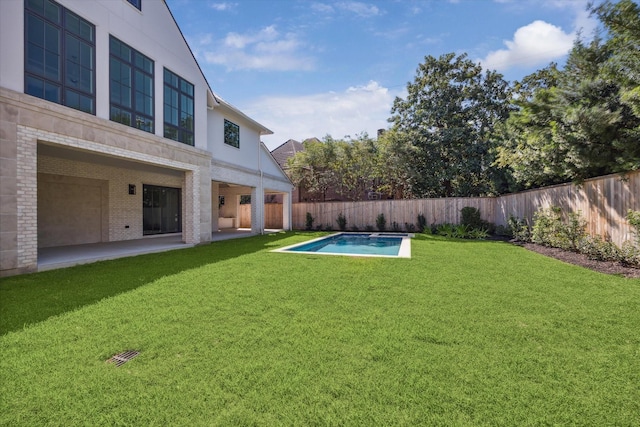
136	3
231	134
130	86
178	108
59	55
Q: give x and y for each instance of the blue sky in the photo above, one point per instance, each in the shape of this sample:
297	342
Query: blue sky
311	68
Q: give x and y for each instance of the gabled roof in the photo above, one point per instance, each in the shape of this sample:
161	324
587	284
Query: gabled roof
213	99
285	151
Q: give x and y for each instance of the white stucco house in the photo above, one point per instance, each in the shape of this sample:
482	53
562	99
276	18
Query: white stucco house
109	131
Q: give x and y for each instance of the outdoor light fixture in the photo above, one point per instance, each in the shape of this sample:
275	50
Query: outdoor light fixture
132	189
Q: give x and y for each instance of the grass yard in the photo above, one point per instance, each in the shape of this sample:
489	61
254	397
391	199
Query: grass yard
465	333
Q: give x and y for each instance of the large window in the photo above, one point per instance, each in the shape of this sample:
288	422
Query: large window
231	134
59	55
178	108
130	86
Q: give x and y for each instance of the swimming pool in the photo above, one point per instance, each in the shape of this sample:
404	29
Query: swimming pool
394	245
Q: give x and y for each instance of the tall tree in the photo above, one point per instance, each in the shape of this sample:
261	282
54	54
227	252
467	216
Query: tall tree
447	117
526	143
312	169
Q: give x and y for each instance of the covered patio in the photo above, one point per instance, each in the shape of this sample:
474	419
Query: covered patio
67	256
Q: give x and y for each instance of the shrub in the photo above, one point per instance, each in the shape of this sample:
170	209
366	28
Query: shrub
461	231
478	233
470	217
342	222
520	230
547	227
446	230
396	227
381	222
354	228
411	228
574	230
550	230
368	227
309	222
633	217
630	254
422	223
596	248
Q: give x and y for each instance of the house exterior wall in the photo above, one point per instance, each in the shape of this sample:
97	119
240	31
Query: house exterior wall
93	151
27	122
151	32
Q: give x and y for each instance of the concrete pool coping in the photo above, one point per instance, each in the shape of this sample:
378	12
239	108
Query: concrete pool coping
403	252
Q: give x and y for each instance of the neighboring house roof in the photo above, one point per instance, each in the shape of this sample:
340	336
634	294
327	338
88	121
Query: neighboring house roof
285	151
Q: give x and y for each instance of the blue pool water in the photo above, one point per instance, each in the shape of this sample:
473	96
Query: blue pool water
365	244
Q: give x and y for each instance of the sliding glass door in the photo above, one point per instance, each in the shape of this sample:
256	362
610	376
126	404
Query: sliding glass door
161	210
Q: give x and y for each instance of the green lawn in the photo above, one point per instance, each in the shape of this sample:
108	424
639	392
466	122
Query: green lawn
464	333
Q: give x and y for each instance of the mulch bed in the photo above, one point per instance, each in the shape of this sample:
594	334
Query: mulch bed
607	267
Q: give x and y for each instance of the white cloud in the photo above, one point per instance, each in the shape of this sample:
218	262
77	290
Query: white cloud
540	42
221	7
534	44
265	49
357	109
363	10
322	7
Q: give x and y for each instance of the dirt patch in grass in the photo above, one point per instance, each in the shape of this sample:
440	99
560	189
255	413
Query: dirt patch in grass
607	267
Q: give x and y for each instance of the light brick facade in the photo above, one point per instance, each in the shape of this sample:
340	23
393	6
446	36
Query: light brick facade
65	175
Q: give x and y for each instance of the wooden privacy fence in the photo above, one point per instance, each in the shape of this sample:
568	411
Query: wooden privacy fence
603	203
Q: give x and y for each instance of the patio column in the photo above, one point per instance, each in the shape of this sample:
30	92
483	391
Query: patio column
257	210
191	230
286	211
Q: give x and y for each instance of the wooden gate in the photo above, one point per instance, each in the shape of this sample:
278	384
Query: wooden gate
272	215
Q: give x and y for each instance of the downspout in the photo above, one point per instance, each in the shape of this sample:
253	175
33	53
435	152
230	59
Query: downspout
261	186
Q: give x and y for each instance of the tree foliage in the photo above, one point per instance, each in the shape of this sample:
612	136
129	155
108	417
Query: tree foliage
581	121
447	119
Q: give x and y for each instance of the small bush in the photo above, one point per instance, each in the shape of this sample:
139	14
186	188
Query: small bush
381	222
596	248
574	230
422	223
396	227
630	254
309	221
368	228
478	234
342	222
411	228
446	230
461	231
354	228
520	230
633	217
470	217
547	227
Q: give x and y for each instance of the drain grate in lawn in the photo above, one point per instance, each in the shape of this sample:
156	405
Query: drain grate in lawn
122	358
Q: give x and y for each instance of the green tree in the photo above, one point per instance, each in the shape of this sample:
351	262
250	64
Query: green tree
448	117
392	176
312	168
525	142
